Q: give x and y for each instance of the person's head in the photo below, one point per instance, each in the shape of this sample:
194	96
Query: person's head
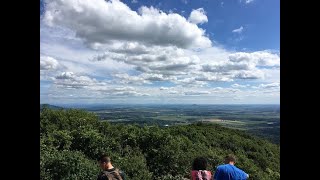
199	163
230	159
104	162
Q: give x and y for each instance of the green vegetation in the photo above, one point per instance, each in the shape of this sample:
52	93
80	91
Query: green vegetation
71	140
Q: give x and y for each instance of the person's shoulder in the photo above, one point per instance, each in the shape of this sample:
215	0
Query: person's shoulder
119	170
111	170
208	172
238	168
221	166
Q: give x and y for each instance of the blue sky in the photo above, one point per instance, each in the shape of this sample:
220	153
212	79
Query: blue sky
260	18
151	51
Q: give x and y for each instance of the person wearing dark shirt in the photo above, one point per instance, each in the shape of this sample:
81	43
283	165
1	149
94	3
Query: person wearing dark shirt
108	171
229	171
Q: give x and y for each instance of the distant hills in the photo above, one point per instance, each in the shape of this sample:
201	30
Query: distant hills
50	106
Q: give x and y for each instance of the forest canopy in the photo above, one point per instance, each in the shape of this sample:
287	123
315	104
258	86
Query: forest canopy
71	140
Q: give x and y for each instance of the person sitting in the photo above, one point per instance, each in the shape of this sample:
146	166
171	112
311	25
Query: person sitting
229	171
199	169
108	171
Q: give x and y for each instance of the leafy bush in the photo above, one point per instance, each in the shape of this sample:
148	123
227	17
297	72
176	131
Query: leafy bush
67	165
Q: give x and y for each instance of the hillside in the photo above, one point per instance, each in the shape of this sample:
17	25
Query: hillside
50	106
71	140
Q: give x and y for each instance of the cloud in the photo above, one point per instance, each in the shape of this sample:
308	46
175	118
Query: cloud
256	74
259	58
226	67
154	77
270	85
174	92
196	93
103	22
190	82
130	93
73	56
186	67
122	91
241	65
134	1
213	77
163	88
86	85
198	16
239	30
272	89
247	1
271	74
154	64
127	79
239	86
48	63
97	50
130	48
111	92
49	67
167	61
70	80
66	75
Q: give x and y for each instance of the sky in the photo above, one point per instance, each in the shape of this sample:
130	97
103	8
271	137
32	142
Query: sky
160	52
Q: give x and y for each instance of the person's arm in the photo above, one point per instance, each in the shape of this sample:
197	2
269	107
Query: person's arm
215	174
244	174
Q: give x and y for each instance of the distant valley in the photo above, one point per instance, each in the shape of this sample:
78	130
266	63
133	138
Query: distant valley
260	120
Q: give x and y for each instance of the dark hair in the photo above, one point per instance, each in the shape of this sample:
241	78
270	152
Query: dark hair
200	163
229	158
104	158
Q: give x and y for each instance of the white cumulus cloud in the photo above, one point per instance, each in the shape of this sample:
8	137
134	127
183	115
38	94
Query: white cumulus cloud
198	16
259	58
99	21
48	63
70	80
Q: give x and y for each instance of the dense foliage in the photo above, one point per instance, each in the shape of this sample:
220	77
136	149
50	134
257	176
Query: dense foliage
71	140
